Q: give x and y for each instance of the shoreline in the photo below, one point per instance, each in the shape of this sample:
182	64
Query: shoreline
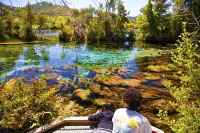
16	43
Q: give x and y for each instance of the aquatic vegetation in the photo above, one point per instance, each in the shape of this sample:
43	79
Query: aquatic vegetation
108	80
102	71
67	67
99	59
63	56
63	79
171	66
51	76
46	68
43	76
151	52
170	77
100	101
107	93
83	94
44	54
95	88
87	78
158	68
69	110
121	70
151	76
131	82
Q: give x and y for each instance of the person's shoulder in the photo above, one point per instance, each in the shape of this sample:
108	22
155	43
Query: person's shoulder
121	109
140	116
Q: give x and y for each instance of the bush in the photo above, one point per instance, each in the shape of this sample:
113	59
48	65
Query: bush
187	101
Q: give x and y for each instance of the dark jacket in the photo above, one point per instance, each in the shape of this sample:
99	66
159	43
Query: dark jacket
104	118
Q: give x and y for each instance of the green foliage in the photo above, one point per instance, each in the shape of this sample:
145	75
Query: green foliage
87	24
63	56
44	5
147	24
31	54
189	12
29	19
155	24
106	26
131	36
171	66
121	18
41	20
188	110
60	22
24	105
45	54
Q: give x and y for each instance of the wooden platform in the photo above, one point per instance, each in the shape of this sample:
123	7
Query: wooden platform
72	125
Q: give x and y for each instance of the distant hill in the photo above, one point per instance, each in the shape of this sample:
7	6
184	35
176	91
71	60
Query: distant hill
49	8
41	6
132	17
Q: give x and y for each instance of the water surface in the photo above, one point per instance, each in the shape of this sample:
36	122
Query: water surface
36	59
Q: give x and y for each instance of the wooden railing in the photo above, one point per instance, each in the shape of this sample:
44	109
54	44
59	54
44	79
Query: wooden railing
72	125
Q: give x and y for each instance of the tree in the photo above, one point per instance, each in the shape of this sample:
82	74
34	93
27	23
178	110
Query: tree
163	19
147	24
41	20
29	21
3	14
118	29
189	11
111	5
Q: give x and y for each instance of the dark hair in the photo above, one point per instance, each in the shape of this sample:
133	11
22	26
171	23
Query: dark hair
108	106
133	98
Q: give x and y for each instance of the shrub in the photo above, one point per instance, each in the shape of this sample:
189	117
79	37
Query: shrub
187	120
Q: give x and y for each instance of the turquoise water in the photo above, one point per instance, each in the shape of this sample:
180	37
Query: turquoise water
33	60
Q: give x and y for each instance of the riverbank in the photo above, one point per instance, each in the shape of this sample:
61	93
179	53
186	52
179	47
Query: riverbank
17	43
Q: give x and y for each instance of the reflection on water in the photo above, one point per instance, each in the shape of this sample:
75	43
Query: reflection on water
46	33
29	60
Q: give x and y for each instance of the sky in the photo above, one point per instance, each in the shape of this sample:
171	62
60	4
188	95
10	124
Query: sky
133	6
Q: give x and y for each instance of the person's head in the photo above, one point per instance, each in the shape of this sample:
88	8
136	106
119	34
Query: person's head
108	106
133	98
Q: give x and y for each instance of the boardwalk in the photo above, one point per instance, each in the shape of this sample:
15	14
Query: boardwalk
72	125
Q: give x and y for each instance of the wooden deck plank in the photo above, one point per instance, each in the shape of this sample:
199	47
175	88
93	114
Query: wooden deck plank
73	125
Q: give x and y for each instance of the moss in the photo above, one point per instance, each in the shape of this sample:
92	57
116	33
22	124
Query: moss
100	101
131	82
83	94
106	92
52	76
108	80
95	88
158	68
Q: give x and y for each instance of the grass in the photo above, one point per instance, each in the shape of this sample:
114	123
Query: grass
13	40
18	41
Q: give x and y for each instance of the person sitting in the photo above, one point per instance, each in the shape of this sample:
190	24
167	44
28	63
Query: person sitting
127	120
104	117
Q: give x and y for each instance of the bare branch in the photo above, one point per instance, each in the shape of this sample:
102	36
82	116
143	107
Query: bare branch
195	18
